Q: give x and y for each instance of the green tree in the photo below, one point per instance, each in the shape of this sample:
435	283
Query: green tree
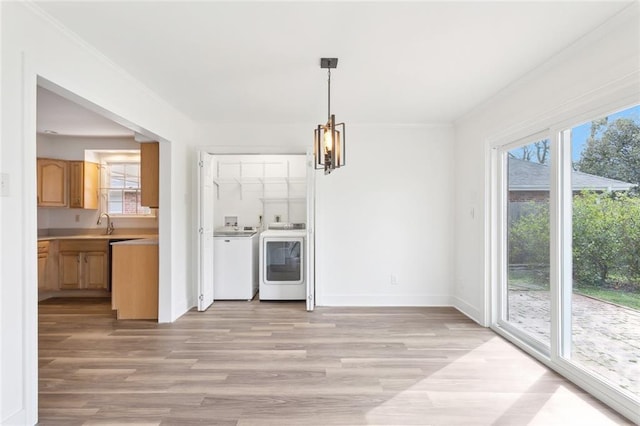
613	151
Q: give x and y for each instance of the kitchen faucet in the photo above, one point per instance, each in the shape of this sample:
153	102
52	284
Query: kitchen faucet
109	223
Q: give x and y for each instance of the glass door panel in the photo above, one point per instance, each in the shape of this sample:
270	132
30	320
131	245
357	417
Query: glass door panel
527	237
282	261
605	248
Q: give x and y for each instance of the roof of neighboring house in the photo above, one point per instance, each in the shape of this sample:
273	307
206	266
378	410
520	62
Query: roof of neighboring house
530	176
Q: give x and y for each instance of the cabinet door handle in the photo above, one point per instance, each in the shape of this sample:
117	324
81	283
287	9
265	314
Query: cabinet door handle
78	259
85	259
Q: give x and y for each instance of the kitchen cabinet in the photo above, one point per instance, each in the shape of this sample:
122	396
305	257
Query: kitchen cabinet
149	174
43	259
52	182
83	264
135	271
83	185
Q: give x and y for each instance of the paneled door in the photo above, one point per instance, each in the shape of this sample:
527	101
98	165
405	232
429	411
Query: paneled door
205	230
310	240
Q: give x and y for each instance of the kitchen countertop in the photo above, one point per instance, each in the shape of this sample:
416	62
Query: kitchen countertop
141	241
97	237
96	234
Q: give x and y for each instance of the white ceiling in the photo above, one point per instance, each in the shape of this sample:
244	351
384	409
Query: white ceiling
64	117
399	62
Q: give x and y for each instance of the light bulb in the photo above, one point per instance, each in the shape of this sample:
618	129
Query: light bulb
328	140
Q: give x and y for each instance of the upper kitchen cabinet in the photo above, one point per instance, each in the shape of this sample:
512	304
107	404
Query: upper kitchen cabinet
83	185
52	182
149	174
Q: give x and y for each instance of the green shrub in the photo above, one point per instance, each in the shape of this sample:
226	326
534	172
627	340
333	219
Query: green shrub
606	237
529	234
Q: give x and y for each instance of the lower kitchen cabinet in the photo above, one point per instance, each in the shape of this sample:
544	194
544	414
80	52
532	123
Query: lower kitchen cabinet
43	260
135	272
83	264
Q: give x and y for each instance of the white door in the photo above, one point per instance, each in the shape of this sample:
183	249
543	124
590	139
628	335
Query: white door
206	196
311	224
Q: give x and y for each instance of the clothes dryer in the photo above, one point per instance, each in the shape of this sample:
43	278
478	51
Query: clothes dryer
282	265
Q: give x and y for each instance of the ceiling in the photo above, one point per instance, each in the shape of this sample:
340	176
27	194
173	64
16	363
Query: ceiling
57	115
399	62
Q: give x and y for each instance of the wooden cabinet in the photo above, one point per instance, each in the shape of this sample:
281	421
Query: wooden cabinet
134	292
83	264
83	185
149	174
52	182
43	258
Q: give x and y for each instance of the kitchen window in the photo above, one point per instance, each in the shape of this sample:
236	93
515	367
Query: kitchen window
121	194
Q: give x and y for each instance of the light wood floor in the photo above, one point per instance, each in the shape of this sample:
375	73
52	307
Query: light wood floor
272	363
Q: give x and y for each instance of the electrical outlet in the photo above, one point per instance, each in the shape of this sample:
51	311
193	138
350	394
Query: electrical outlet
77	218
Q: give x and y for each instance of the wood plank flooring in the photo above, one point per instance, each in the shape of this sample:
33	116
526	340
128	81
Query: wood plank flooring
272	363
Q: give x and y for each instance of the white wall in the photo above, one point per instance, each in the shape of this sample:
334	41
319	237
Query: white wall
596	75
389	211
73	147
34	47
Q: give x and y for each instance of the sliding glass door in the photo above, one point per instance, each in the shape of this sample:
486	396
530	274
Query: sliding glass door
567	215
605	248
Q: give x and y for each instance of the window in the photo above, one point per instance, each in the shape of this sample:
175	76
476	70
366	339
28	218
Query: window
122	190
567	245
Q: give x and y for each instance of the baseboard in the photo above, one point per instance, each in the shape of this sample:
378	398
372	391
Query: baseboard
50	294
19	418
467	309
384	300
180	308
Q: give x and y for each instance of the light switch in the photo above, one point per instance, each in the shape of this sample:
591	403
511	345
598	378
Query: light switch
4	184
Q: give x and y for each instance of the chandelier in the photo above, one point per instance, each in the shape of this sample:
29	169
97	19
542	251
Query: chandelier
329	138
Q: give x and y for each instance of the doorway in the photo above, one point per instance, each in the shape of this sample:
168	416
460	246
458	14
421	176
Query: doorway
258	192
81	264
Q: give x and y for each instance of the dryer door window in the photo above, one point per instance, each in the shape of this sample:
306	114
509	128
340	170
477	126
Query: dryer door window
283	262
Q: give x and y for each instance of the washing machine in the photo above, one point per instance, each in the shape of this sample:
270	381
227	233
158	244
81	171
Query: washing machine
282	265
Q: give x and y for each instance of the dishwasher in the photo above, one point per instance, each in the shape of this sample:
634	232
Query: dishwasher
235	264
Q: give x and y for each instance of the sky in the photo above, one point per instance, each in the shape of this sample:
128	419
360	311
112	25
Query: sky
579	134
